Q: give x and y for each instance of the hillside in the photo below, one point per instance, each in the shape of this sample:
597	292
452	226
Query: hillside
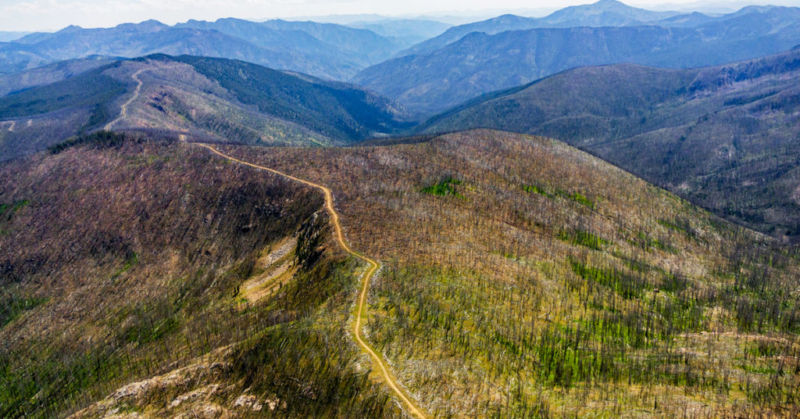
328	51
723	137
334	51
520	277
215	99
478	63
49	74
129	257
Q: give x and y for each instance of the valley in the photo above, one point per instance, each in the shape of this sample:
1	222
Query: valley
590	212
723	137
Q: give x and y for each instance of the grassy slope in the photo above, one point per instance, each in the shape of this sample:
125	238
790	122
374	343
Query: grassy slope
724	137
122	260
523	277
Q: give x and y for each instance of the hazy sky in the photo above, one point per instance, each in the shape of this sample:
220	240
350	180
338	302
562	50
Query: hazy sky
28	15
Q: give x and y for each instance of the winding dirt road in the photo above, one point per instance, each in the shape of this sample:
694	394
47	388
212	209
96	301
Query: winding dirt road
123	112
361	308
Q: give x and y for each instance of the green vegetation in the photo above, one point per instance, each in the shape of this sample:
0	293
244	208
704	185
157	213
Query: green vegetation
446	186
628	286
500	306
509	306
163	287
536	189
583	238
574	196
681	226
8	210
577	197
12	305
669	127
100	139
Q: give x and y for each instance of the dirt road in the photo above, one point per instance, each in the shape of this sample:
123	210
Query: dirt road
123	112
361	308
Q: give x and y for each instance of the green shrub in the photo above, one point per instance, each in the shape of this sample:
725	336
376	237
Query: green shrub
446	187
583	238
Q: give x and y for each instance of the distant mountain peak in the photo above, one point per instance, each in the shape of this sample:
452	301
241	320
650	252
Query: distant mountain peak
150	25
71	28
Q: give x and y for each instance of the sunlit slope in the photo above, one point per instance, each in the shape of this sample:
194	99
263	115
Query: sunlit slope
524	277
127	258
520	277
724	137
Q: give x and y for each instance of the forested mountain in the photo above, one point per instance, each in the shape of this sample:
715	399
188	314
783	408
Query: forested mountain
599	14
205	285
324	50
482	62
209	97
602	220
724	137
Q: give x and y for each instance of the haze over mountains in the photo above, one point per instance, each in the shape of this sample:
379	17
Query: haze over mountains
247	219
447	70
323	50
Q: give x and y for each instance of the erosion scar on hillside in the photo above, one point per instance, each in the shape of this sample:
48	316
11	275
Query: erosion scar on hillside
361	307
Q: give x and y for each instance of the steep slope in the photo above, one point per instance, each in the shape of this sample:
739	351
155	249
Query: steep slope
479	63
212	98
309	48
123	259
515	268
724	137
362	45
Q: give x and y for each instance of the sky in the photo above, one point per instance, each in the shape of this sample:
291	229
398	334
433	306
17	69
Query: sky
50	15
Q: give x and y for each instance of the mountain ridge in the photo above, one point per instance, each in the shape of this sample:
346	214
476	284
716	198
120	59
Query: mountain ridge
720	136
276	44
479	63
219	99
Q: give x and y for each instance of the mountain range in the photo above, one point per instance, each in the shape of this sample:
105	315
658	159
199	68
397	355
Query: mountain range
489	57
324	50
197	221
724	137
599	14
213	98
